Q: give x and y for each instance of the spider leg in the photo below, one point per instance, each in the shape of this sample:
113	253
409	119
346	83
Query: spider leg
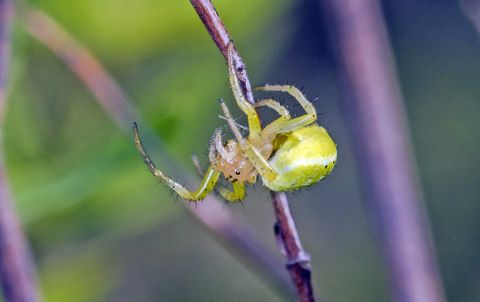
272	129
238	193
208	183
239	125
253	154
212	150
272	104
252	116
217	145
299	122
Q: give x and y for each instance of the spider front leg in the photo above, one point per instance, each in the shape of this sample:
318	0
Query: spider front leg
254	126
296	123
253	154
208	183
238	192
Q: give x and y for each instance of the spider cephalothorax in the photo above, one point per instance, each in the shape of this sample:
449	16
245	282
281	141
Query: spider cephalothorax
288	154
231	161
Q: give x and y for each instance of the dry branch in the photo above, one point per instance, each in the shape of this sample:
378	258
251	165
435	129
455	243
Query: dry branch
17	272
298	262
214	25
374	109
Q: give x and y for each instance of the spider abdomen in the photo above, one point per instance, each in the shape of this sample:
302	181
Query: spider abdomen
302	158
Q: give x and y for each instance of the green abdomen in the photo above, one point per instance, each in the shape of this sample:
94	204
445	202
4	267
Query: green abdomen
302	158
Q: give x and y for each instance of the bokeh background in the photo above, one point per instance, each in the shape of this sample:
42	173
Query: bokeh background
102	229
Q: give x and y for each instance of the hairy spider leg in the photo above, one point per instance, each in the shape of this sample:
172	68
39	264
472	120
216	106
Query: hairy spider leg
211	157
254	126
292	124
236	195
253	154
208	183
212	152
217	145
272	104
271	129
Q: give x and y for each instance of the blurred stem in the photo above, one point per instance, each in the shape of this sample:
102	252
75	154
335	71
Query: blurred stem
17	272
82	62
471	9
298	261
212	215
378	123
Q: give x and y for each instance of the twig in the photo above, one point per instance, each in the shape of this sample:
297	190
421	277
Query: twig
379	125
298	261
17	273
212	215
214	25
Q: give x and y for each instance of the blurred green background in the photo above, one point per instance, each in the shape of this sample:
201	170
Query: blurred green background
102	229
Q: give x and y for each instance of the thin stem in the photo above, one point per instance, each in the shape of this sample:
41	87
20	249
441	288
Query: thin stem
214	25
378	122
471	9
212	215
17	272
298	262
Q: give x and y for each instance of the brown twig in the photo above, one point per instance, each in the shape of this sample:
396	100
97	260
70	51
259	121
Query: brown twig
379	125
212	215
17	273
214	25
298	262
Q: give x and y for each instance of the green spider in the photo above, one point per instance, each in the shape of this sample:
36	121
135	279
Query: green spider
289	153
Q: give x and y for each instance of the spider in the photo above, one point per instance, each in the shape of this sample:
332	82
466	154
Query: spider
289	153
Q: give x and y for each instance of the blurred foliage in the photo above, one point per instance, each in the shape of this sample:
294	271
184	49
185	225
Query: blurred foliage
92	275
102	230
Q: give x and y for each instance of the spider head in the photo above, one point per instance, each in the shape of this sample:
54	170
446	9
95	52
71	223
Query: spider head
233	164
